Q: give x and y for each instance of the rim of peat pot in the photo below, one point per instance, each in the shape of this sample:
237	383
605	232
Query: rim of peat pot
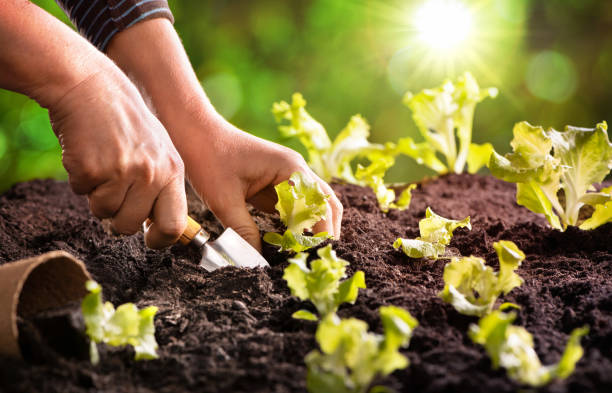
32	285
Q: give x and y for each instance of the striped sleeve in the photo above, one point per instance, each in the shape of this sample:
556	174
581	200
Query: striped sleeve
100	20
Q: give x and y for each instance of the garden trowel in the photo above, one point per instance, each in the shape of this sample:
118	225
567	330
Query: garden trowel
229	249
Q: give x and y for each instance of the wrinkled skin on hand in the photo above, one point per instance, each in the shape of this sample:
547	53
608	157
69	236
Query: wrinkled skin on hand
118	154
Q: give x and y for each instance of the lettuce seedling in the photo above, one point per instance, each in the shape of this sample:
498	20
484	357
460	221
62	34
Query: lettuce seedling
329	160
332	160
373	176
124	326
436	234
301	204
472	288
544	162
351	358
438	113
321	282
511	347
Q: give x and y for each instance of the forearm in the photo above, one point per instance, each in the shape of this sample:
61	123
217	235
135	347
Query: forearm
41	57
151	54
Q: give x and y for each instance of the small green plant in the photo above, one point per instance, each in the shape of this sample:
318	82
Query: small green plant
351	358
333	160
511	347
321	282
545	162
436	234
124	326
472	287
301	204
601	215
438	114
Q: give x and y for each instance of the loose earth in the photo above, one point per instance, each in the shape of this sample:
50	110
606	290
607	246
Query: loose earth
231	330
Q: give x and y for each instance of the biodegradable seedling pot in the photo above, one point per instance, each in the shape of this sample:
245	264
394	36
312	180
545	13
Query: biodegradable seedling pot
33	285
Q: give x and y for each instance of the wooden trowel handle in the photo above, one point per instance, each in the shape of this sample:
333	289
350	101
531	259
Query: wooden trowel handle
192	229
193	233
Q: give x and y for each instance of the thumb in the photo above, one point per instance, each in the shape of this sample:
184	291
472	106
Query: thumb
234	214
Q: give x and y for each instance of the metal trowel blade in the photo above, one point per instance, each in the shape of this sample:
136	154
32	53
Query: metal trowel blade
230	249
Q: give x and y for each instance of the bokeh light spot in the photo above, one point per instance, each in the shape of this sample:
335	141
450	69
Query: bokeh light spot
551	76
443	24
224	92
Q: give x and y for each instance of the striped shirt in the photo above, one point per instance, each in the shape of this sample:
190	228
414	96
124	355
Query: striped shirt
100	20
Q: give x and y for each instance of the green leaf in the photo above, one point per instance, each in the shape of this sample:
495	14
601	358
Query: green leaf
510	258
543	162
124	326
531	195
436	233
572	354
586	155
478	156
437	229
349	289
601	215
512	347
422	153
295	242
301	204
328	160
321	282
305	315
473	288
351	358
438	112
372	176
415	248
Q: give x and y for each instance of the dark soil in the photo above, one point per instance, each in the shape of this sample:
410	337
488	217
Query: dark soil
231	330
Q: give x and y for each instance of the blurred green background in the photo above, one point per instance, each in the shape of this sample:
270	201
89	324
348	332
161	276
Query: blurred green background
551	60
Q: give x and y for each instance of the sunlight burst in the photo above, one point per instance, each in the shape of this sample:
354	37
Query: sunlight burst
443	24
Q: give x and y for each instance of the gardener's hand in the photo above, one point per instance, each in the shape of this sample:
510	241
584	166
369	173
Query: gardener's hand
118	153
114	149
228	167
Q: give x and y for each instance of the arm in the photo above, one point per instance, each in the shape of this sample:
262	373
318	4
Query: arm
114	149
227	166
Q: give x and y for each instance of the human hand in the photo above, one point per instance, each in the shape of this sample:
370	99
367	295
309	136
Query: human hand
226	166
229	167
118	153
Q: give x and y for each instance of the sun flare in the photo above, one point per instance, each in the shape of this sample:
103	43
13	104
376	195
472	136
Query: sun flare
442	24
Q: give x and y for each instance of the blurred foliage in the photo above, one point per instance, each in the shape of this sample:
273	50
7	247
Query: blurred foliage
551	60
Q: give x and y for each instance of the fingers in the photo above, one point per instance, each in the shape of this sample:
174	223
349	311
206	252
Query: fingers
169	216
333	219
233	213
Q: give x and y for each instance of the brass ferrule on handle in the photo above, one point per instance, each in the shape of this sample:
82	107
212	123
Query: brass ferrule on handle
194	234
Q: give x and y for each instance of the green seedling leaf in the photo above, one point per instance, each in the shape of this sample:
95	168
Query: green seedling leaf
333	160
124	326
351	358
478	156
472	287
328	160
436	233
544	162
444	115
321	282
373	175
305	315
511	347
301	204
602	213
